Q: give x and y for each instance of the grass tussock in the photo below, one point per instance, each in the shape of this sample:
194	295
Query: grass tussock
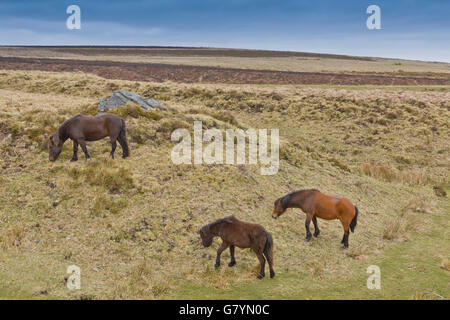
390	174
429	295
13	236
401	226
135	111
115	180
445	264
142	278
106	203
439	190
419	206
224	116
397	228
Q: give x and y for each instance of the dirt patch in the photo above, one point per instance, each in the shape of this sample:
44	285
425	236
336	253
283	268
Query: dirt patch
201	74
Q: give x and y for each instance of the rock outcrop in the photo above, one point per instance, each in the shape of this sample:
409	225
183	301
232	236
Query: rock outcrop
122	97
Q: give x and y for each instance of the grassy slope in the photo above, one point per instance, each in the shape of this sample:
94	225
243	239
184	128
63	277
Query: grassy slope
131	224
408	271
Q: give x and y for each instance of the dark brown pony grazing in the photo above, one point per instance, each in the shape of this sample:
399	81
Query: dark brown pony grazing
83	128
244	235
316	204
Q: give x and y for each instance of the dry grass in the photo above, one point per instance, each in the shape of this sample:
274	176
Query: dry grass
429	295
131	225
13	236
104	174
386	173
399	227
445	264
402	225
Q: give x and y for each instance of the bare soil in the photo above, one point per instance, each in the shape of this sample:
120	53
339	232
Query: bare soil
202	74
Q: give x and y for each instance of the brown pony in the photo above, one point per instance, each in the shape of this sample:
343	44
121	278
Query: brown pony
316	204
83	128
242	234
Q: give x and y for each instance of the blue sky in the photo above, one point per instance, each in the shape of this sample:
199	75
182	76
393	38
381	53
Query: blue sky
411	29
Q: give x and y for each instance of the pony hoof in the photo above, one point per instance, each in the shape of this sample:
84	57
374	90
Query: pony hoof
231	264
73	159
260	276
307	239
217	265
344	247
316	234
272	274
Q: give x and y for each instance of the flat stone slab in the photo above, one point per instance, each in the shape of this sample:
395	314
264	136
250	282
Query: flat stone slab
122	97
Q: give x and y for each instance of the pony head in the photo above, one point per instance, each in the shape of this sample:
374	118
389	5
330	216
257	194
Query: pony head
55	147
206	236
280	206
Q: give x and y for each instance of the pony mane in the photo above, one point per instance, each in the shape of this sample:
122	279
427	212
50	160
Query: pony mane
65	123
285	200
228	219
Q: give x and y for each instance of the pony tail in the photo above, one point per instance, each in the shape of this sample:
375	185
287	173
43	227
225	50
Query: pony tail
354	220
268	247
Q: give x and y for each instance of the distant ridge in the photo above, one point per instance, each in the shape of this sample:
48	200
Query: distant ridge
199	51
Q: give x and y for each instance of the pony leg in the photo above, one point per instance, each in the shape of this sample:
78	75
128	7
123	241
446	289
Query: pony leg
268	254
344	241
233	261
307	222
316	227
75	151
262	263
83	147
113	147
222	247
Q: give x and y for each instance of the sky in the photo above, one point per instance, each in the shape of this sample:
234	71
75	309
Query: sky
410	29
